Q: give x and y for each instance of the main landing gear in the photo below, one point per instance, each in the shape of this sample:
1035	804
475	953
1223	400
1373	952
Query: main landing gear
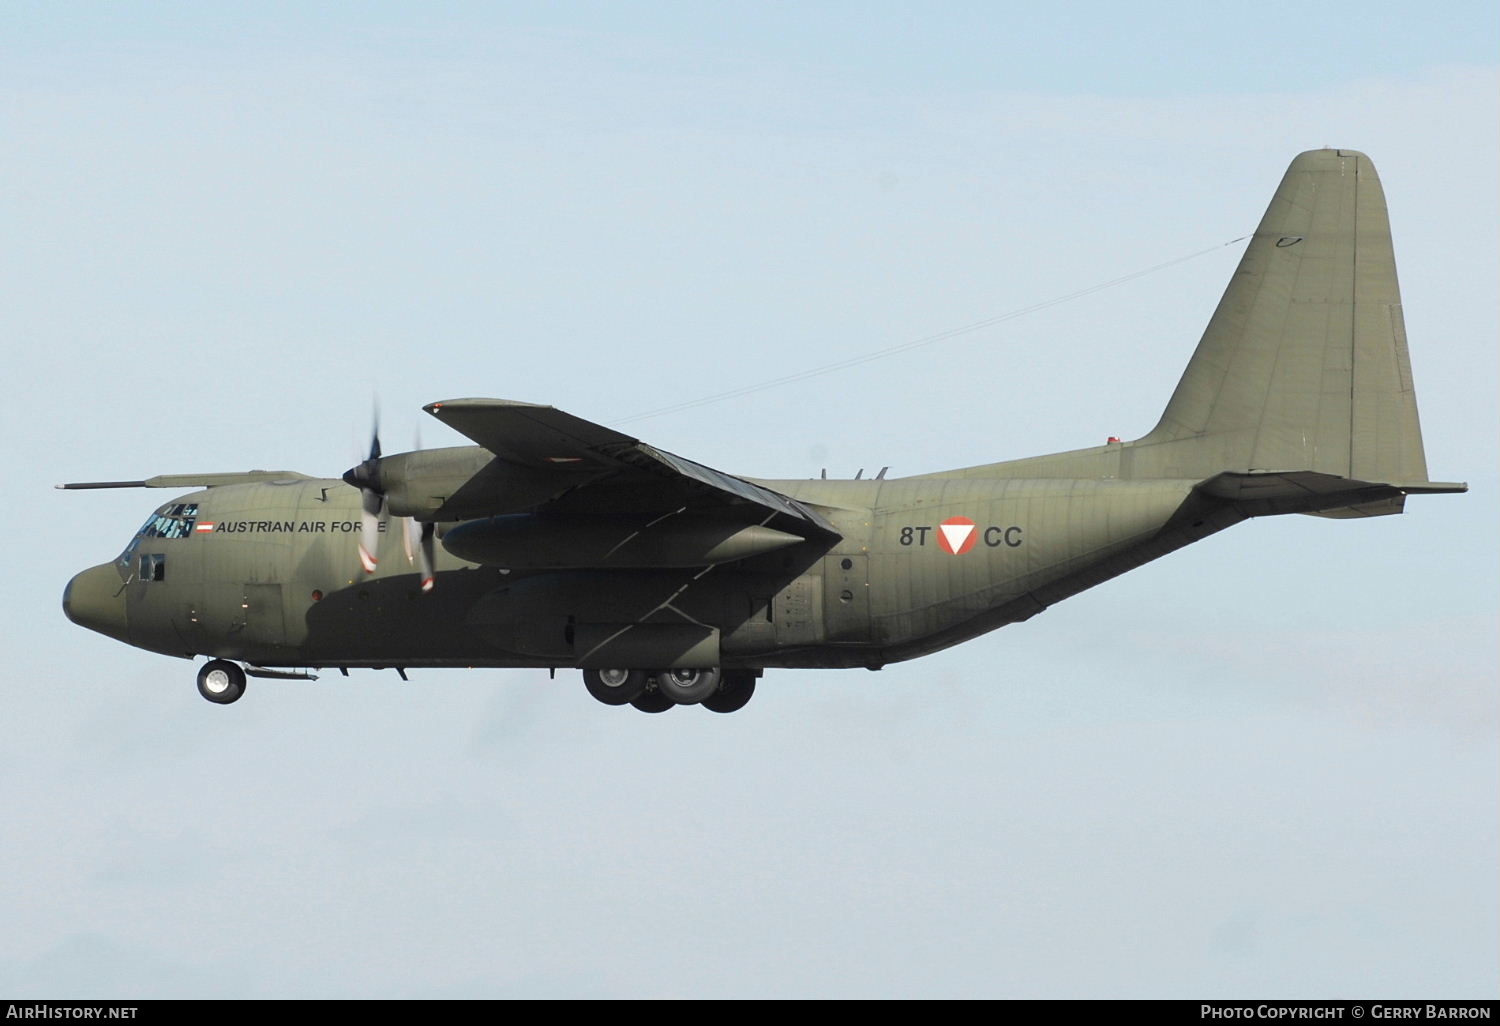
655	691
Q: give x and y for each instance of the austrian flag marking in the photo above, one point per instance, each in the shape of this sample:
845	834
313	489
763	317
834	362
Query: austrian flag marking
957	535
205	527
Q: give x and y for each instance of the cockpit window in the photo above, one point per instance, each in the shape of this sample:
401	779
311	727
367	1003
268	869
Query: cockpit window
169	522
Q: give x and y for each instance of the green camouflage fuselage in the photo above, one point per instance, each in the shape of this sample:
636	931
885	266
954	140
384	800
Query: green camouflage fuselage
267	574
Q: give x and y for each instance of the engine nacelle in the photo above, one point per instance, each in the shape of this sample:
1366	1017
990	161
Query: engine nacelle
463	482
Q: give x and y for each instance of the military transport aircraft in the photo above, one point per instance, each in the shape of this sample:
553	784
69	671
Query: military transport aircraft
556	542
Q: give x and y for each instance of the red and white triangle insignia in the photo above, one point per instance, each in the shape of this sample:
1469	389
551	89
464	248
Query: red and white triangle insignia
957	535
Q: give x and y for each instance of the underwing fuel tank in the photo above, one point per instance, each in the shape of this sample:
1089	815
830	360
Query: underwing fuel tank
531	542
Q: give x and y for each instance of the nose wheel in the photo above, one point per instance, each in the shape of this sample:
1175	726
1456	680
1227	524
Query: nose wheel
221	681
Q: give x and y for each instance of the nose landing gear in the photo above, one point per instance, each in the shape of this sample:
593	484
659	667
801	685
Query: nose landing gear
221	681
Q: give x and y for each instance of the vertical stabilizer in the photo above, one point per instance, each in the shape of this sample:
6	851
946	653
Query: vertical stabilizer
1299	396
1304	364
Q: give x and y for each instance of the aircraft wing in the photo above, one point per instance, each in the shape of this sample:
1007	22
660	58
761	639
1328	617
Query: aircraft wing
616	471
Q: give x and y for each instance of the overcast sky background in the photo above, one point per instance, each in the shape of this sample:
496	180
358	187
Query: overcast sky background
1266	765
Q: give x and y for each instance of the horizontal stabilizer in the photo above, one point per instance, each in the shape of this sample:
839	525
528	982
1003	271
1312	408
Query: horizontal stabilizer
1260	493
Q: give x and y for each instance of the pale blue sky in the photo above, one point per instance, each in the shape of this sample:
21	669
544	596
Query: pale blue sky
1146	49
1266	765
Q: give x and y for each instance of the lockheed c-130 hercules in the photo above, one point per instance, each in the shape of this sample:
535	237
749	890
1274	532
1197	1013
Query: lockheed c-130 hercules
556	542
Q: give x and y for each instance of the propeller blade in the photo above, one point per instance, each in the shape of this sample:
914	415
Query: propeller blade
375	430
371	504
411	536
429	575
366	477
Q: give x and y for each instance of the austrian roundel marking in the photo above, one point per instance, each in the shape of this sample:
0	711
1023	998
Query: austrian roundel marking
957	535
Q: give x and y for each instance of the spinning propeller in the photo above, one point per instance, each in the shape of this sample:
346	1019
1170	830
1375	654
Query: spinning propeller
417	541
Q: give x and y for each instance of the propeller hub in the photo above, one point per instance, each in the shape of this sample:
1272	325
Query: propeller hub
366	476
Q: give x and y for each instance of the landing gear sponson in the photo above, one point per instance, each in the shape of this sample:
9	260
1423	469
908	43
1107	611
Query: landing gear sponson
654	691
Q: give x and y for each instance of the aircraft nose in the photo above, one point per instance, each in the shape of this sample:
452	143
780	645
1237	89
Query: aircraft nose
96	599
